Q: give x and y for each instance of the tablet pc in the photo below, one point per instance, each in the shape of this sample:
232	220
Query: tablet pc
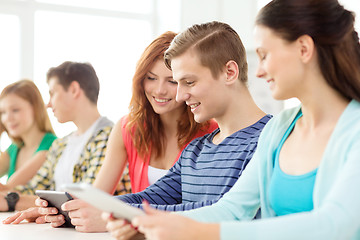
56	199
103	201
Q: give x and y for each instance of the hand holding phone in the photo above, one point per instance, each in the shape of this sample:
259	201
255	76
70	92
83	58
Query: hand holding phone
56	199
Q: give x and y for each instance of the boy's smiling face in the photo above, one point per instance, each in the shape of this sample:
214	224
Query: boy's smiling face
198	87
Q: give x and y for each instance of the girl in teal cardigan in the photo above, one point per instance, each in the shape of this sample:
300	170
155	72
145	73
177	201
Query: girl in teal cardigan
305	172
24	118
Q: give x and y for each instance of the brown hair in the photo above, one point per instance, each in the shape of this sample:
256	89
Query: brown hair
145	124
83	73
215	43
28	91
332	29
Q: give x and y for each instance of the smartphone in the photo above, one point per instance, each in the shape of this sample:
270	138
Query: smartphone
103	201
56	199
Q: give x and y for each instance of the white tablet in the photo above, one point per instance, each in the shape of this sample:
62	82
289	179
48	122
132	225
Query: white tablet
103	200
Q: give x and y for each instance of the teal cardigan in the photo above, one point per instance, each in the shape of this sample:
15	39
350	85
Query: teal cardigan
336	197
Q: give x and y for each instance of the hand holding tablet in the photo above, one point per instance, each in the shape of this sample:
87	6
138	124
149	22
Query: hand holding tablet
103	201
56	199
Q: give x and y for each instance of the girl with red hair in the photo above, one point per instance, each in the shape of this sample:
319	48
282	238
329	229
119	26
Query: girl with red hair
151	137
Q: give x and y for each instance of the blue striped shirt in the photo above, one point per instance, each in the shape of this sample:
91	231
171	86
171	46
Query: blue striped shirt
204	172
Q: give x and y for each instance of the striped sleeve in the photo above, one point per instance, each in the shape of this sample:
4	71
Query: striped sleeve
166	191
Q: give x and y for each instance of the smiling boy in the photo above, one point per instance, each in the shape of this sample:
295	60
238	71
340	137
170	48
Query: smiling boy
74	90
209	63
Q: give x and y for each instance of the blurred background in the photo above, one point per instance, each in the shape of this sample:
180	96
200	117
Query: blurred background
111	35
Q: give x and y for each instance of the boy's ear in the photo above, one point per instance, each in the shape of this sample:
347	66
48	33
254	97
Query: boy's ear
231	71
75	89
307	48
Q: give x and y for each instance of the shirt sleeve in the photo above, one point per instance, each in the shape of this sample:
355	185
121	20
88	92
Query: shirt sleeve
184	206
46	142
12	151
241	202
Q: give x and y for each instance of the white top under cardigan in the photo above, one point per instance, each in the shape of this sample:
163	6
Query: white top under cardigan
64	169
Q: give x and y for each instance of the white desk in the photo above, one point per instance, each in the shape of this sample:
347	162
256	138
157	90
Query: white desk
33	231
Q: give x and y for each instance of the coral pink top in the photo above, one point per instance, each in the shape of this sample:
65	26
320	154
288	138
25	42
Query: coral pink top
138	167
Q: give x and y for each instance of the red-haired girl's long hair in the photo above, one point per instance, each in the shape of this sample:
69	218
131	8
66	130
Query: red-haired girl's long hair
144	124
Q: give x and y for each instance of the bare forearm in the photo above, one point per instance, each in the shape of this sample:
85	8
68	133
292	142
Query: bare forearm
20	177
163	225
27	171
208	231
105	181
25	202
4	163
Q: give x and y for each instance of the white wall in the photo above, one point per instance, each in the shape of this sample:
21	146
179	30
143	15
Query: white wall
110	34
